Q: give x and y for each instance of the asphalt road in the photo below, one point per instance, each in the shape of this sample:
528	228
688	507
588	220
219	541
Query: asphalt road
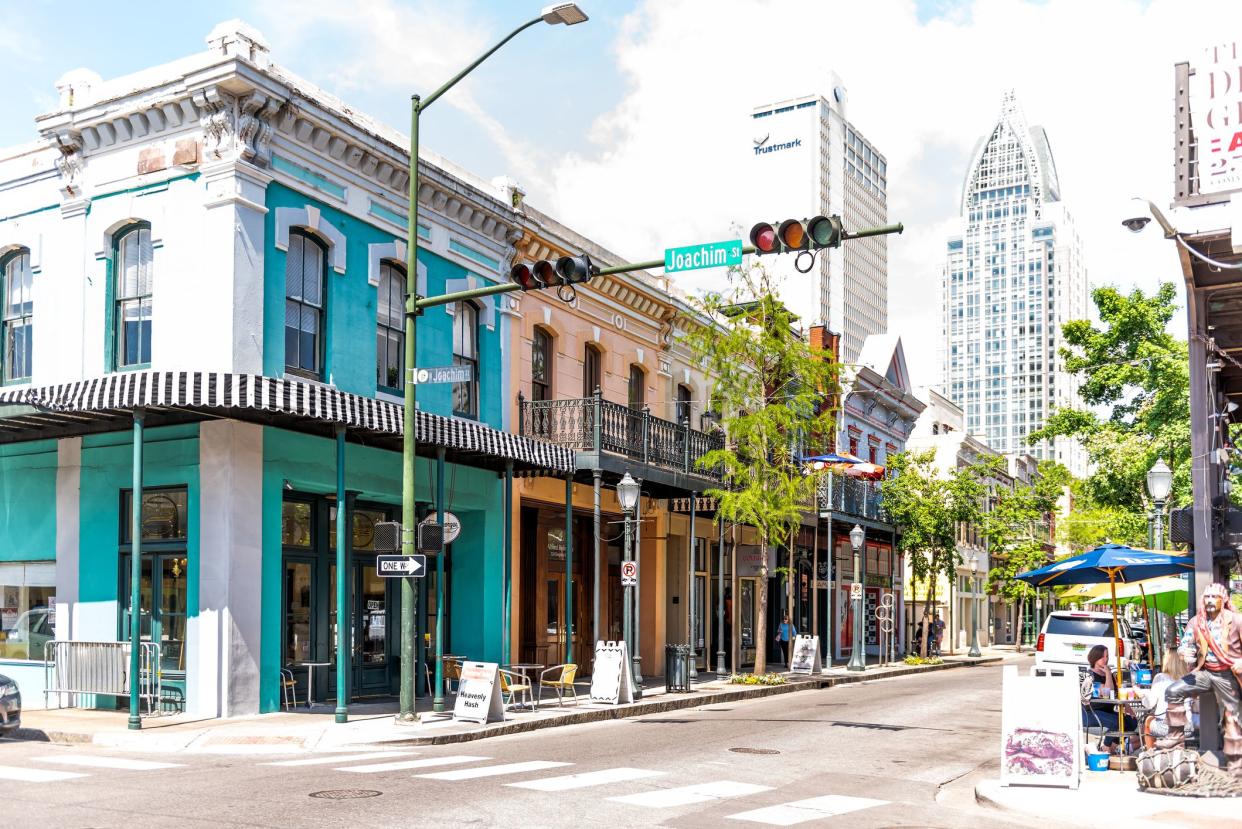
897	752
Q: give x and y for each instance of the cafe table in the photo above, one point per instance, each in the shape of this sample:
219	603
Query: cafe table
1125	708
523	669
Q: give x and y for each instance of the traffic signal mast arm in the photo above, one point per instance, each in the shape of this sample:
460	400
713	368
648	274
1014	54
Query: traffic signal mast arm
506	287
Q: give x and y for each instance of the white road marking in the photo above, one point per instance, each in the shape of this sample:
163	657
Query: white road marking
800	811
685	795
101	762
36	775
413	764
581	781
494	771
340	758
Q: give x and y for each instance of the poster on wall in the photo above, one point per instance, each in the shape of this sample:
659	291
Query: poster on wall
478	696
1041	730
610	681
845	623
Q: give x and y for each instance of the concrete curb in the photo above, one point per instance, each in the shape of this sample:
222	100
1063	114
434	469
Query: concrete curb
665	703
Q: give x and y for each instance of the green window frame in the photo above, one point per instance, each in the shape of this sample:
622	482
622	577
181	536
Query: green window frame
466	353
131	304
305	304
389	328
16	316
165	573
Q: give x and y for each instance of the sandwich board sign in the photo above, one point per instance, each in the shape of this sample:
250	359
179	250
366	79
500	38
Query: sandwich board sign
611	678
805	656
1041	729
478	696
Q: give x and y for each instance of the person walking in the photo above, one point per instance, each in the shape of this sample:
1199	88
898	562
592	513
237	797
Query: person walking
937	631
785	635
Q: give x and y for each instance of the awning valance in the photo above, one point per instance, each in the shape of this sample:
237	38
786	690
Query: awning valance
81	407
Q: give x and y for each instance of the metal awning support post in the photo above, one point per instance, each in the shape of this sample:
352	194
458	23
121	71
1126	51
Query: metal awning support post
690	551
344	520
720	605
569	568
508	562
135	577
638	588
595	632
437	704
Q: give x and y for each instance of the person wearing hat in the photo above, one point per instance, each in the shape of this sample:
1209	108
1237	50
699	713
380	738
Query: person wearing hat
1212	643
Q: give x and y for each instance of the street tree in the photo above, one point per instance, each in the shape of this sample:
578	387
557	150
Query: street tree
1016	526
928	507
769	386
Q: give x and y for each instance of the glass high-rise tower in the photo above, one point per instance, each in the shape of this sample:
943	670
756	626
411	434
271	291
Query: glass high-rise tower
1011	279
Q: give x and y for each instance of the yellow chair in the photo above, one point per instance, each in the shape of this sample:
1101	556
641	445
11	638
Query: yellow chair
288	689
560	678
452	673
514	686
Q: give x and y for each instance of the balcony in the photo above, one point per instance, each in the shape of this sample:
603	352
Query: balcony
600	428
850	496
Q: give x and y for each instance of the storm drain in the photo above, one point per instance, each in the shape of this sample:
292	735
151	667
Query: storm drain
345	794
754	751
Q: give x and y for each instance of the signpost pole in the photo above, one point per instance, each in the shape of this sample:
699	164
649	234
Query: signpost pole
343	519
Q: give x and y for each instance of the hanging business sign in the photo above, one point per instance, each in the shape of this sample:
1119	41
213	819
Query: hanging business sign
1215	100
478	694
610	676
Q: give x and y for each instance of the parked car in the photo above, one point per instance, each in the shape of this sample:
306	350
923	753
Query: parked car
10	705
28	637
1068	635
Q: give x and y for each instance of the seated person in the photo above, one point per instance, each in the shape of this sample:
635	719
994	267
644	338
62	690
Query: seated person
1098	673
1156	721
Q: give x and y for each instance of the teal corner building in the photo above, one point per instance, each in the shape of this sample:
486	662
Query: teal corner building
202	275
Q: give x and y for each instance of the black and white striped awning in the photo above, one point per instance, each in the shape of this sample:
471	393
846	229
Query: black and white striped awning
104	404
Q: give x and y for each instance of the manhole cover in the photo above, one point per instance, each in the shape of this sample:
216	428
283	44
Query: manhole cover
345	794
754	751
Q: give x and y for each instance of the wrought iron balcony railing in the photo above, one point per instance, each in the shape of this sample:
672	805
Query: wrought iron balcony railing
850	496
594	424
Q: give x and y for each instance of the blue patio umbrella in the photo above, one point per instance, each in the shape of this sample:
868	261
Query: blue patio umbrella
1111	563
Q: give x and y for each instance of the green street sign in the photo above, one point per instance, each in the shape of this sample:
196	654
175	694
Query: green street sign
709	255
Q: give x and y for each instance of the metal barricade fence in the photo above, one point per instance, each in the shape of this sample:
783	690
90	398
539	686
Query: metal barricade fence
100	668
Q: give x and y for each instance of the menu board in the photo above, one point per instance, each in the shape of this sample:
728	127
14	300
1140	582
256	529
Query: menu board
478	695
805	656
1041	730
610	676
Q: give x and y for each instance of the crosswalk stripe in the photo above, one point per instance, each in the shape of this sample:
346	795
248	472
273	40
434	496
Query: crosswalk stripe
413	764
581	781
36	775
340	758
685	795
494	771
814	808
101	762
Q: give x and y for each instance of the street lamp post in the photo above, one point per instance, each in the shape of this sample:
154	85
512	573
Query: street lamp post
627	494
1159	484
569	14
974	605
858	661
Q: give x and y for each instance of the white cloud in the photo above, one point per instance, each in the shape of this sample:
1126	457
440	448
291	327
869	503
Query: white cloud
664	168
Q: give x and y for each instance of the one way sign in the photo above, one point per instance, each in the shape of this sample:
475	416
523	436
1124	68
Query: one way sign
394	566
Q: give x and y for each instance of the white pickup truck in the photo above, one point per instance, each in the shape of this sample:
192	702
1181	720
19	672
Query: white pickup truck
1068	635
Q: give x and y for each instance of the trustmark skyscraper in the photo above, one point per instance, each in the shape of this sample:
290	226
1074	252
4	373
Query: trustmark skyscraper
1012	278
806	158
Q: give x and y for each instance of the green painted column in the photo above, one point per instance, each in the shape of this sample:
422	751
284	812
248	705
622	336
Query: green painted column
508	562
344	520
135	578
569	568
409	444
438	703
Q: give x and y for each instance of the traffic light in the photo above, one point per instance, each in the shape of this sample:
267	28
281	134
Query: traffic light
795	235
568	270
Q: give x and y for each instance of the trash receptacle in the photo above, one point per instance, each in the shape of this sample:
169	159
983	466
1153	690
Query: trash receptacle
677	668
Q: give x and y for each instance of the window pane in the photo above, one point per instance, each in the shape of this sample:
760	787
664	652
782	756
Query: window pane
164	514
27	617
297	612
293	266
18	337
295	524
312	273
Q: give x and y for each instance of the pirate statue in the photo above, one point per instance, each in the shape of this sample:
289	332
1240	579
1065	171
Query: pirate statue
1212	644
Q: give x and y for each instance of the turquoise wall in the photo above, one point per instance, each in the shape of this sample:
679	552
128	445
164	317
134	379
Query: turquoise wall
308	463
28	501
351	301
170	458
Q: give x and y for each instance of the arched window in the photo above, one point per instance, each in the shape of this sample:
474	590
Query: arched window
683	403
466	353
638	386
135	274
592	370
389	330
541	365
16	317
304	304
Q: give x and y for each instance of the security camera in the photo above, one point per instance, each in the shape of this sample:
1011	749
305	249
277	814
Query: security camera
1136	223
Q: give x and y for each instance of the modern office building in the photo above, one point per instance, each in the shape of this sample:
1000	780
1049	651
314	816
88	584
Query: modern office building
1013	277
808	159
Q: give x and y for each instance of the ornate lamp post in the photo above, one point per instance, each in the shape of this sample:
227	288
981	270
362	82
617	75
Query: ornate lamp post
627	495
1159	484
974	605
858	661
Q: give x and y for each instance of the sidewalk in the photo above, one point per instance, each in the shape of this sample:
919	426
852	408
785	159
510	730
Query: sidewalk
373	724
1113	796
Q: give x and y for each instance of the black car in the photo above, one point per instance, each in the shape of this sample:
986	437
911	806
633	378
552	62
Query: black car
10	705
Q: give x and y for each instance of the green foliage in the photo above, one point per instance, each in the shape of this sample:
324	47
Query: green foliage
1132	367
912	659
769	385
1017	529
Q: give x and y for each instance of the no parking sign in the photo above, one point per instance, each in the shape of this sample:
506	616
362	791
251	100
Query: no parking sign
629	573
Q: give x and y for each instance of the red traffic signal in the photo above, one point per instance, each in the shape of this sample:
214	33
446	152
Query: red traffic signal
522	275
763	237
